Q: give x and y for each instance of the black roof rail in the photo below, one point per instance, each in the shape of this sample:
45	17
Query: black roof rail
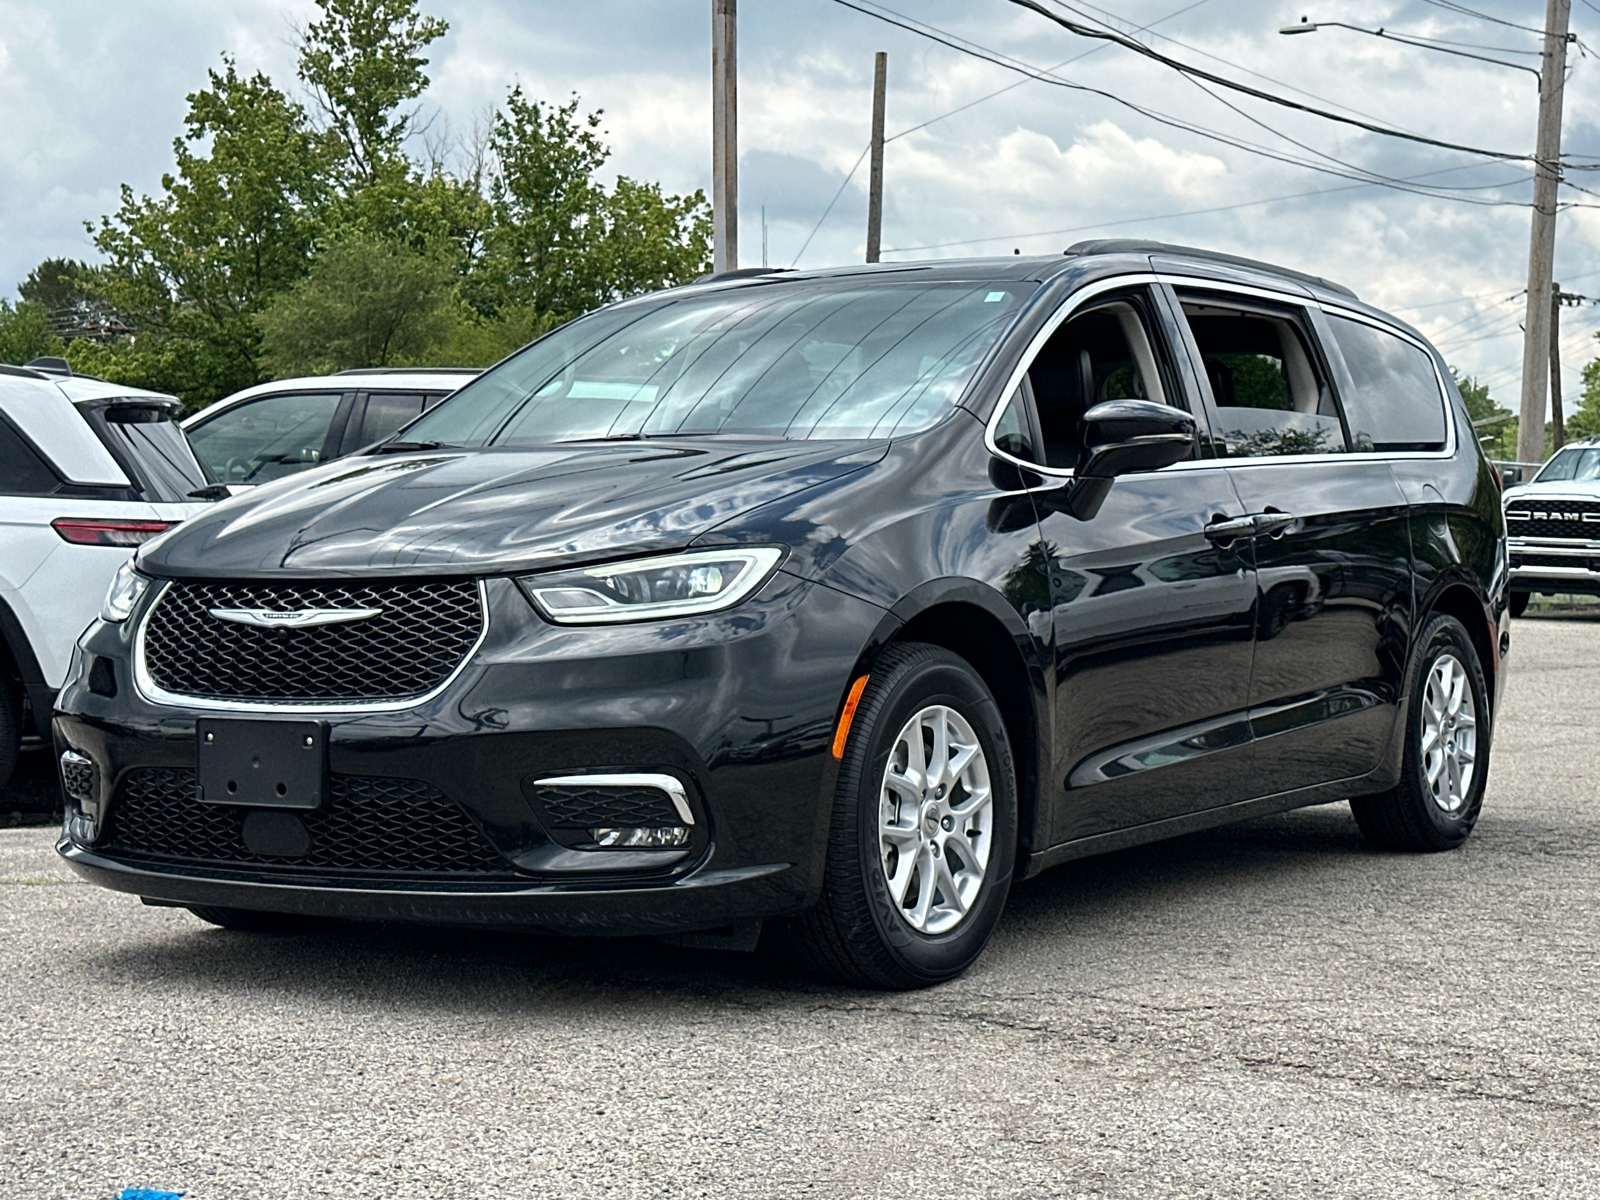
741	273
20	372
1135	246
411	371
50	364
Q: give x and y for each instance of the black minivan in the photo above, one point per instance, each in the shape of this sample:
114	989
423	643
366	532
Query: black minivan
835	600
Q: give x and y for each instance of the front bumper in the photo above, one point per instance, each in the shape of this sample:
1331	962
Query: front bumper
1554	567
700	900
738	706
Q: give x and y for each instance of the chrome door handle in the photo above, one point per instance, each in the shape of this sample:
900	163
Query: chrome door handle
1225	532
1274	524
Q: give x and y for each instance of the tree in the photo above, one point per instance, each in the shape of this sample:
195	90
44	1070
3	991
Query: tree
231	229
70	292
25	332
361	62
288	239
558	241
1494	427
364	303
59	283
1585	422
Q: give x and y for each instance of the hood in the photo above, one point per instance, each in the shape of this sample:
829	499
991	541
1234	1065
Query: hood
1565	489
489	511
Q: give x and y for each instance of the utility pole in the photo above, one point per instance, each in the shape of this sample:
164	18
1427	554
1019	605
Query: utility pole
880	84
725	135
1542	241
1558	427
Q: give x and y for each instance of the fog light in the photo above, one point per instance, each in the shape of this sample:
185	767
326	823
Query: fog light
78	778
641	839
80	828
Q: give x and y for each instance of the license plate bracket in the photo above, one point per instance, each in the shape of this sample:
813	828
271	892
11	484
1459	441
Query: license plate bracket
261	764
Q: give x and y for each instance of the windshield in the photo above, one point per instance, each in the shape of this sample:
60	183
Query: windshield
831	359
1573	463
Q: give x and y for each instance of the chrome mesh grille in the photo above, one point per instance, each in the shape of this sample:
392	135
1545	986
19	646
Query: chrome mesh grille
569	807
366	825
1530	518
425	629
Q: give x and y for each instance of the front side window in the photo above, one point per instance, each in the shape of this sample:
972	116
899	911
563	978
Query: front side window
1103	354
837	358
1270	395
265	439
1396	403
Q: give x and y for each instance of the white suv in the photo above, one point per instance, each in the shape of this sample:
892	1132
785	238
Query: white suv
274	429
1553	523
88	470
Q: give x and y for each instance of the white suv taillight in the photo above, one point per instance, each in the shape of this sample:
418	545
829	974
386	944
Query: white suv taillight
95	531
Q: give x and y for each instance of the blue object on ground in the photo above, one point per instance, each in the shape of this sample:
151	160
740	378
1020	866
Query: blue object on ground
147	1194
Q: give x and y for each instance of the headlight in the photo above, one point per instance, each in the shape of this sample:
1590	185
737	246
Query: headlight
676	585
126	588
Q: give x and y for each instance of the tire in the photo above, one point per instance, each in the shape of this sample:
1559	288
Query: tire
10	727
246	920
1519	602
1448	734
859	933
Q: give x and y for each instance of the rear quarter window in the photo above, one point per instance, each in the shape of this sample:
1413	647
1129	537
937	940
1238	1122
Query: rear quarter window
1396	403
22	471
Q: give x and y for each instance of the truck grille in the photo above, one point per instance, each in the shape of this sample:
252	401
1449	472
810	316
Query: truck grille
1526	518
1519	559
366	825
421	633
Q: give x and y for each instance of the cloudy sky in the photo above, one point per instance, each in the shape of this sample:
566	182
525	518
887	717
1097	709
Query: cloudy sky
92	94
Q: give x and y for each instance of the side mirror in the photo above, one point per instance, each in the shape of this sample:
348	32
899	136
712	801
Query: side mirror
1124	436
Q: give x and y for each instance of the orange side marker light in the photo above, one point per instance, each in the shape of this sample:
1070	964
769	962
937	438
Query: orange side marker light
850	702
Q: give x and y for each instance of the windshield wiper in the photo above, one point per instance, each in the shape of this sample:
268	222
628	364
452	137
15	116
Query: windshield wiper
406	447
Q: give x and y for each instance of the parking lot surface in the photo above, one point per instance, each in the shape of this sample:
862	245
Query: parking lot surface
1266	1010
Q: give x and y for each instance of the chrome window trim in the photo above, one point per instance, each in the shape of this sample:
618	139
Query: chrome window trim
1055	476
149	690
673	788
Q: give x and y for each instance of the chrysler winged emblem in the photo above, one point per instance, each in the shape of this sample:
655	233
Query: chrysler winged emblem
296	618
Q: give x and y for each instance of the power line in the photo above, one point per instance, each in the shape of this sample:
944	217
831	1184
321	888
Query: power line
831	203
1064	62
1450	6
965	46
963	108
1240	67
1128	43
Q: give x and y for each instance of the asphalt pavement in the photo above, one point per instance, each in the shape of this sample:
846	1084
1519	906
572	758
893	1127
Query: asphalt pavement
1267	1010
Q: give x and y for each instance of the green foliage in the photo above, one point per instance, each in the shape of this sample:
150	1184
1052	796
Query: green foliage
234	225
558	241
292	240
362	61
1495	427
363	303
59	283
25	332
483	341
1585	422
1258	381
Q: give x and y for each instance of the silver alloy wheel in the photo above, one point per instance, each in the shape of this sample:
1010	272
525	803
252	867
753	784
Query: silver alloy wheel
1449	733
935	819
